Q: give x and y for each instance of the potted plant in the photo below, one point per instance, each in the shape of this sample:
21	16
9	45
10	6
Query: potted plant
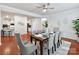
28	27
76	26
45	27
46	24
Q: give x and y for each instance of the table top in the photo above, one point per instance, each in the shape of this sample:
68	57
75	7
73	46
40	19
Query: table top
39	38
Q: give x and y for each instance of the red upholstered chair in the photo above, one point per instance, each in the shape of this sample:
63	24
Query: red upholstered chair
26	36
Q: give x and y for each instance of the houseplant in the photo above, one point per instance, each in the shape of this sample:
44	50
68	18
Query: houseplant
76	26
45	27
45	24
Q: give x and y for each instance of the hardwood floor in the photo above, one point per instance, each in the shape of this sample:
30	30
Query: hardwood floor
9	46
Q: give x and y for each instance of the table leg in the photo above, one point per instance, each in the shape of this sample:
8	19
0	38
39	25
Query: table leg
31	39
35	42
41	47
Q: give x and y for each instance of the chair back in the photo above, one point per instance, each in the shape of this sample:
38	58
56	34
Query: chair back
59	38
57	34
20	43
51	40
2	32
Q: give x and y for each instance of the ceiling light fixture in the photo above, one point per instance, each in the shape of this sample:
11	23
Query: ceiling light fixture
45	7
44	10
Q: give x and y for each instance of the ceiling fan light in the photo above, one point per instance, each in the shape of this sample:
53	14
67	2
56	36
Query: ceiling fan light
44	10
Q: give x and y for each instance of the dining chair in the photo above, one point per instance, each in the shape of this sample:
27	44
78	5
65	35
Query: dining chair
57	39
51	42
2	33
27	48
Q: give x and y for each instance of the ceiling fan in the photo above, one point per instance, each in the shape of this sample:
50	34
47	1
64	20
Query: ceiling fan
45	7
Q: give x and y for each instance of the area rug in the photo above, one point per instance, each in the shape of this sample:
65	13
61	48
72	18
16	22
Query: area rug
63	49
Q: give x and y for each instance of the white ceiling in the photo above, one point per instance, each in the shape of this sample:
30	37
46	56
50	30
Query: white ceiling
58	7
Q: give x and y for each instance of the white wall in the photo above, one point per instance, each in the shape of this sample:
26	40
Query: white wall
37	25
20	24
63	20
6	21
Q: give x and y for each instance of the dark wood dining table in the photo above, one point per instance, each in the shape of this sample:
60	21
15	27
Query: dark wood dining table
41	40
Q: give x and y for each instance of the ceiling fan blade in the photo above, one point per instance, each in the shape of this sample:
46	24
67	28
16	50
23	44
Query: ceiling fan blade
38	7
50	8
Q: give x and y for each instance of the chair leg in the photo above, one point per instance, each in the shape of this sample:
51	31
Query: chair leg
36	51
48	51
58	45
55	47
52	50
20	53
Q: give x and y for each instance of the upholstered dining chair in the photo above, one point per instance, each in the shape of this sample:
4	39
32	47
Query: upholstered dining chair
51	42
25	48
57	39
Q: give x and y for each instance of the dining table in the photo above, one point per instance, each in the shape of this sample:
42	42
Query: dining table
41	39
